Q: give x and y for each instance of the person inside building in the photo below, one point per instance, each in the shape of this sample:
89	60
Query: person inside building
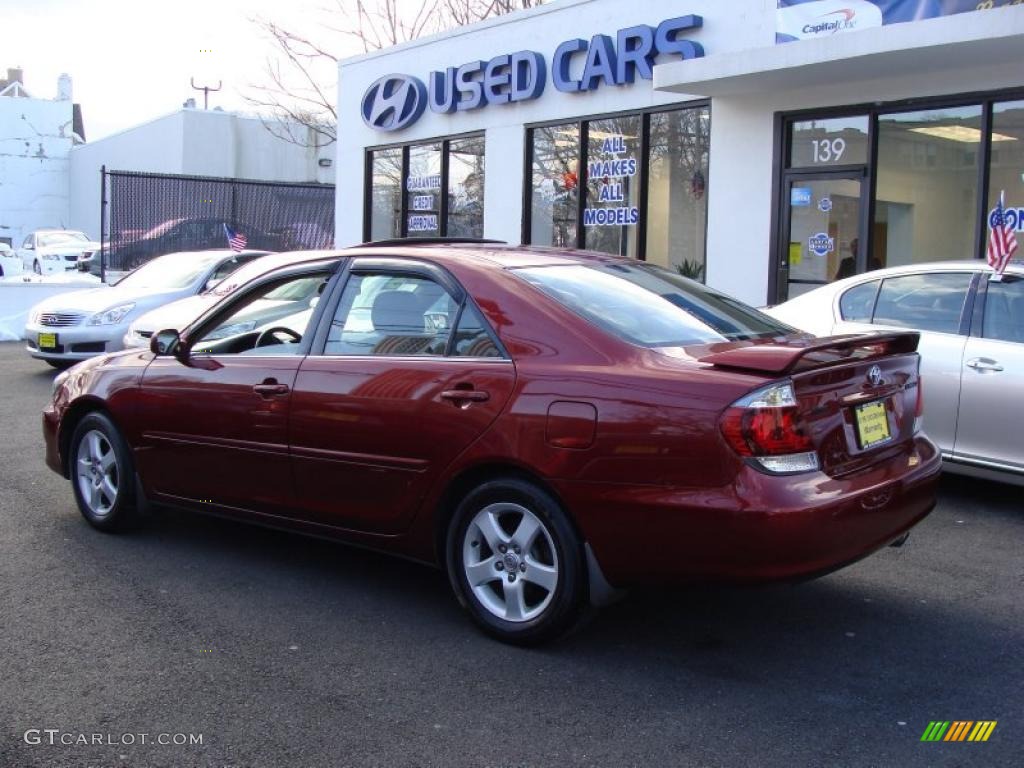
848	266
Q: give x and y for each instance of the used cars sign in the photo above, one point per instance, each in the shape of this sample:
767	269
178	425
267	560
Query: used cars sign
397	101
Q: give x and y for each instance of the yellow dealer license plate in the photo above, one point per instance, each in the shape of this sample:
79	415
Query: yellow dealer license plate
872	424
47	340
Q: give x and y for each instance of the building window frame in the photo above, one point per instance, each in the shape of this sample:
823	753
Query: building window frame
405	146
783	172
582	124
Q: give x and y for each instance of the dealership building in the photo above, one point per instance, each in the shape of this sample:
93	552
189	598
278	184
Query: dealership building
761	146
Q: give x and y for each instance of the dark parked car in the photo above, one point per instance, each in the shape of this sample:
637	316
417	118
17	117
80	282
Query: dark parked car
132	249
547	426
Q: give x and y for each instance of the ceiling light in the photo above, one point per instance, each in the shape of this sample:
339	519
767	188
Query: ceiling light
961	133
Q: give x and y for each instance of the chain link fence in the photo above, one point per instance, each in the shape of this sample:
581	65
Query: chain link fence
146	215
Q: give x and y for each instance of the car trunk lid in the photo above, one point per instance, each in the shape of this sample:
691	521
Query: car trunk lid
856	396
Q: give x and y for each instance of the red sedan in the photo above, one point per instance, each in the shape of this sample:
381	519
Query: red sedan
548	426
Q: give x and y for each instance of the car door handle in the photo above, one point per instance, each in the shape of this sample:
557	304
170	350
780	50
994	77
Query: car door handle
982	364
465	395
269	389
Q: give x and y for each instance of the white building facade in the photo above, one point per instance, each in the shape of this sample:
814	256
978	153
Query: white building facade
36	137
764	146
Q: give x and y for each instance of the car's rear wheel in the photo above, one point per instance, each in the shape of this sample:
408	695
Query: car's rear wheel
516	563
102	474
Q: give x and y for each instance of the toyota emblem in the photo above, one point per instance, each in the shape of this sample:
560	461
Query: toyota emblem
394	102
875	376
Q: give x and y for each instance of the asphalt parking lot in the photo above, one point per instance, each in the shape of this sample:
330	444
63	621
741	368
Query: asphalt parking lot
282	651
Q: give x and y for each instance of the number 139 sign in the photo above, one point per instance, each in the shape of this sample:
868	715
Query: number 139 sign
828	150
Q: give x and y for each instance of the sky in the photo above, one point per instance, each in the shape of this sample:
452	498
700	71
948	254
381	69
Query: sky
130	61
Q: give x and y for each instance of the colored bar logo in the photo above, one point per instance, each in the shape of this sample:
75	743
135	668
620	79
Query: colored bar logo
959	730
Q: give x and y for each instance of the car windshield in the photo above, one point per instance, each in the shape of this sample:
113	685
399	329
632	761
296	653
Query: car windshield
650	306
59	238
171	272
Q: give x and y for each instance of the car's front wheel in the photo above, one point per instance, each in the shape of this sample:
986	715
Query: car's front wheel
516	563
36	267
102	474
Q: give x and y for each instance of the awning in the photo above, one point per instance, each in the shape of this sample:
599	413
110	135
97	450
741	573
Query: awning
977	39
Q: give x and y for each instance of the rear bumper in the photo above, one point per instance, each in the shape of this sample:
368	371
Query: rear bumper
763	528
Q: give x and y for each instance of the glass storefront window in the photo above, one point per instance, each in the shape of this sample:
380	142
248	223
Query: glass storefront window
466	187
423	191
829	142
386	194
1006	170
645	201
927	190
411	186
677	190
612	214
555	185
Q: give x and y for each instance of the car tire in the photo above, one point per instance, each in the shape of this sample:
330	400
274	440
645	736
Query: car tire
516	563
36	268
102	474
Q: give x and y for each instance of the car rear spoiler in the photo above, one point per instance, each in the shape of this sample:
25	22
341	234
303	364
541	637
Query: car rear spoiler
796	356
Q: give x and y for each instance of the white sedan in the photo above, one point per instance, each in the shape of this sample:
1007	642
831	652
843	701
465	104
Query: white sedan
972	350
178	314
54	251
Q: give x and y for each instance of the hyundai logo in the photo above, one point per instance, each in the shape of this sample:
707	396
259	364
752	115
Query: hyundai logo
394	102
875	375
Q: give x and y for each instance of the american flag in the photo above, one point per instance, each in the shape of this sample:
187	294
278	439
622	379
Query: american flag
1002	240
236	240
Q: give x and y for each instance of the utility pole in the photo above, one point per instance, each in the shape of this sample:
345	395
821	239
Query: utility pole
206	89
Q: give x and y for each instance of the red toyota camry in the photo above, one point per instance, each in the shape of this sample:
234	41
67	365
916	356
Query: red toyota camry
548	426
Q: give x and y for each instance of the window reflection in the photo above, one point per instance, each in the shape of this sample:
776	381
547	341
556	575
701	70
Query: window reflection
927	191
677	190
555	185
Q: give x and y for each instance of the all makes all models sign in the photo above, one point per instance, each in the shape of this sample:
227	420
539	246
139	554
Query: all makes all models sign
397	101
806	19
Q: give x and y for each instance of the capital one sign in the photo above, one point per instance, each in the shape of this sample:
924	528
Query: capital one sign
397	101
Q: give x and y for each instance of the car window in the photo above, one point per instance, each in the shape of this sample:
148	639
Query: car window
926	302
858	303
270	320
230	266
382	314
647	305
472	338
28	242
1004	310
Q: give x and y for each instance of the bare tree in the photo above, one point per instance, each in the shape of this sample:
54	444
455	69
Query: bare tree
296	99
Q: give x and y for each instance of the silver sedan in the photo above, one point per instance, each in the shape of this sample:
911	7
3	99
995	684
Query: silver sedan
972	350
75	326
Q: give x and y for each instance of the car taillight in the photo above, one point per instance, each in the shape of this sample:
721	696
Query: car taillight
765	426
919	407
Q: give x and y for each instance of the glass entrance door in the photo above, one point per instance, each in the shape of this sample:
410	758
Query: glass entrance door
823	225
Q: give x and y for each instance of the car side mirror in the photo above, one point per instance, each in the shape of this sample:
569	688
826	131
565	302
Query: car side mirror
165	343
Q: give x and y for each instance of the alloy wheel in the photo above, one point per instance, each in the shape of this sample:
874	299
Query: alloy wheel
97	473
510	562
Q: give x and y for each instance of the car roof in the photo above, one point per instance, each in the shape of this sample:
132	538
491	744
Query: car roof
504	256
